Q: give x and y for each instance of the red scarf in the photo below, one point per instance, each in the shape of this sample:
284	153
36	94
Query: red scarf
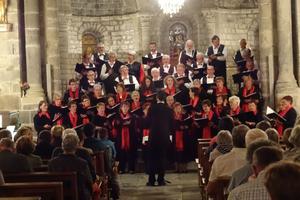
235	112
135	105
206	133
73	119
279	125
179	135
218	109
114	130
46	114
146	133
147	92
223	91
194	102
122	97
171	91
245	93
125	134
71	94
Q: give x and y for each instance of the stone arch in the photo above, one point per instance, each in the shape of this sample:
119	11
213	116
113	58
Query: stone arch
95	29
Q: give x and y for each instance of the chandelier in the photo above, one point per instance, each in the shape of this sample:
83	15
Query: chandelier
170	7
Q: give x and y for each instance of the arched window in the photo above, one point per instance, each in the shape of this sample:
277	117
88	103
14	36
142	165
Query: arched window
89	43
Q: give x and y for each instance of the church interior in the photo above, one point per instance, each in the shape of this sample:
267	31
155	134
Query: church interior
161	99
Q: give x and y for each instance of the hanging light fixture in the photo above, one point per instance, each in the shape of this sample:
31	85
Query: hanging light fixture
170	7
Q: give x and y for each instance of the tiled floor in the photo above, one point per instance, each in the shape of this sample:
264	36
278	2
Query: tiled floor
182	187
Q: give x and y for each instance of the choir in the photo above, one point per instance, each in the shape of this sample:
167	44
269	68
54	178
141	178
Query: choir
115	95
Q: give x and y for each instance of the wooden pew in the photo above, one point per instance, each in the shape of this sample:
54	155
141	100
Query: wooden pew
20	198
45	190
69	180
99	165
42	168
218	188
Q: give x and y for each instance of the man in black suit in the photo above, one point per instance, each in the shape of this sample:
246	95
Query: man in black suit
11	162
161	127
69	162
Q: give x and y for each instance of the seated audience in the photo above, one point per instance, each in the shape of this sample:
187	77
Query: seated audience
224	145
262	158
90	141
24	130
105	142
226	164
4	133
285	139
44	148
263	125
295	140
11	162
56	136
242	175
255	134
68	161
272	135
26	147
282	181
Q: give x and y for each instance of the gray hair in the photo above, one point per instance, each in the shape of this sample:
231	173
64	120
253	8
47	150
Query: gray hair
295	136
70	143
255	134
234	99
224	137
69	131
97	85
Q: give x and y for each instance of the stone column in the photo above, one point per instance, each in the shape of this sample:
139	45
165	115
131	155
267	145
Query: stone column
266	49
286	82
33	48
52	44
297	13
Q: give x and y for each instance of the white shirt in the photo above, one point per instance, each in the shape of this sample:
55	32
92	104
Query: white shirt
103	74
127	82
210	80
220	58
167	68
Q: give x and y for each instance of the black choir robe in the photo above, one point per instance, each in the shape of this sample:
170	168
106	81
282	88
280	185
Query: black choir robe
220	66
67	122
40	120
109	82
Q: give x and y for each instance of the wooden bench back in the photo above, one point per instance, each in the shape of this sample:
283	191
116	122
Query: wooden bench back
69	180
98	159
218	190
45	190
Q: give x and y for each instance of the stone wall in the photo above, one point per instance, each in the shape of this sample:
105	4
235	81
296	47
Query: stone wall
9	63
135	31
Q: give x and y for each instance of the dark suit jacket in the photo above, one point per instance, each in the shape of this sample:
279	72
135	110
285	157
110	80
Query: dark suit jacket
290	117
71	163
13	163
161	126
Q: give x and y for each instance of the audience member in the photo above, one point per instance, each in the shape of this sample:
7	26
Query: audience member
44	148
295	140
224	145
26	147
273	134
68	161
90	141
226	164
282	181
24	130
255	189
105	142
4	133
285	139
56	136
255	134
11	162
263	125
241	175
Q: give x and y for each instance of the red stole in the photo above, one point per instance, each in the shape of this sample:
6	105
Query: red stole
122	97
71	94
46	114
206	133
135	105
142	73
279	125
218	109
147	92
221	92
73	119
235	112
171	91
125	134
114	130
245	93
179	136
194	102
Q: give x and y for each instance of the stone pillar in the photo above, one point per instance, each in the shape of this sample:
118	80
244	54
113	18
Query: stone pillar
33	49
297	13
52	44
286	82
266	49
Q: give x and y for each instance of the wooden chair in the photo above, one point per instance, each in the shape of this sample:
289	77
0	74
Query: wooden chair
69	180
217	190
98	159
45	190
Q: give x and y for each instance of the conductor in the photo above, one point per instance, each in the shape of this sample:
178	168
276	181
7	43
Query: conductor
161	121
